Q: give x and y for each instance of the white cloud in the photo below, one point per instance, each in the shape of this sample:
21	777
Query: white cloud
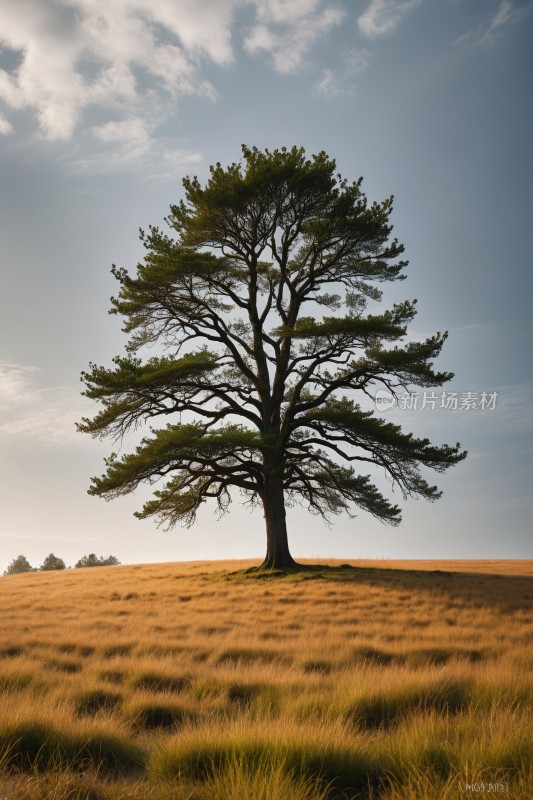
382	17
492	29
173	163
130	60
328	84
130	139
5	126
46	79
285	11
338	83
154	157
505	14
357	61
126	130
289	46
46	415
81	53
16	381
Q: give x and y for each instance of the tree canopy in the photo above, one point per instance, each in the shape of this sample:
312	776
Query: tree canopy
92	560
52	562
19	564
262	302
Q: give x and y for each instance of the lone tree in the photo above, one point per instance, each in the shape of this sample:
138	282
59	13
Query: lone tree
52	562
258	381
18	565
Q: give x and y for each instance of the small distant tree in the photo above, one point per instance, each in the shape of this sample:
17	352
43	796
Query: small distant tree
110	561
19	564
52	562
92	560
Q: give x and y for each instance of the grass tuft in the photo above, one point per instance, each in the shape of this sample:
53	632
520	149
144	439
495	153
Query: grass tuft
240	655
39	746
64	665
385	707
15	681
92	701
117	650
158	682
114	676
304	758
267	779
10	651
151	716
373	655
243	694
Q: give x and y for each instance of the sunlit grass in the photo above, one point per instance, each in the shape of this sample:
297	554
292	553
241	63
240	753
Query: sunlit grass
385	681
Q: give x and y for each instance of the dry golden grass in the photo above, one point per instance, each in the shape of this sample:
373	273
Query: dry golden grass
379	680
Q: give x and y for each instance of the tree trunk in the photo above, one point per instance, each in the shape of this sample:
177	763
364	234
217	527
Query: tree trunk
278	555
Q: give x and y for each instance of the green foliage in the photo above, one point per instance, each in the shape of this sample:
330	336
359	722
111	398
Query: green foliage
52	562
267	388
92	560
19	564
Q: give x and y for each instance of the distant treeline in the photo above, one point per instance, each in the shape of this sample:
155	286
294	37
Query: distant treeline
21	563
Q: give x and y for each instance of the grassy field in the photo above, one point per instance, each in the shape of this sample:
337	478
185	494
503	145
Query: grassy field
201	681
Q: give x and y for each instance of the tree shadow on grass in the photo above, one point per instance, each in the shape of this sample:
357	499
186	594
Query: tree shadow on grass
479	589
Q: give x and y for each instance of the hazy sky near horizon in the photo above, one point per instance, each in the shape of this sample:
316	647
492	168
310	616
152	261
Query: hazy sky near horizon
105	106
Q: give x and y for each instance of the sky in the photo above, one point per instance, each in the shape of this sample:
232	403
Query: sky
106	106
